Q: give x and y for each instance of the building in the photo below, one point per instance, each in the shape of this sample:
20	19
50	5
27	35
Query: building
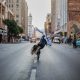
2	15
59	16
63	15
53	15
26	20
5	13
20	8
73	17
30	25
47	25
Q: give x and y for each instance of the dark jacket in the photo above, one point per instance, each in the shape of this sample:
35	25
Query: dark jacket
43	42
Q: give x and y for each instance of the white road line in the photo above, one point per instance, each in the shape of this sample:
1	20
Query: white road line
33	74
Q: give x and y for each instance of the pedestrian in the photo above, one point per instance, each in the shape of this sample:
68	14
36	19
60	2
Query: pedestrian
49	42
36	48
69	40
0	38
74	42
65	40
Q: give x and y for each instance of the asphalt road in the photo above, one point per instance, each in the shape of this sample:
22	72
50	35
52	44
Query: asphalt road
15	61
59	62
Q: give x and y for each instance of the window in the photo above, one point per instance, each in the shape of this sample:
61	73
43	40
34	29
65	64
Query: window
12	9
9	1
12	5
17	5
17	1
12	1
17	16
17	21
6	0
9	5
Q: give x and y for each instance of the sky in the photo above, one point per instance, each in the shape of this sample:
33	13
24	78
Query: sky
39	10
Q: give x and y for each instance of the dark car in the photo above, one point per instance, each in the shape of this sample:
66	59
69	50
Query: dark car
78	42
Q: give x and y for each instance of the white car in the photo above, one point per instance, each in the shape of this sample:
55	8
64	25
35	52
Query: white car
33	40
56	40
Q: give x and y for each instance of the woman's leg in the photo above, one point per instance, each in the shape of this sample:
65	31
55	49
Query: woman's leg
38	54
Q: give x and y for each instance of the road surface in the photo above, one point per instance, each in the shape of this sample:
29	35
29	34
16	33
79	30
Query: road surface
15	61
59	62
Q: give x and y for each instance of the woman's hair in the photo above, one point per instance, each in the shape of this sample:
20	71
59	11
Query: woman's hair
34	48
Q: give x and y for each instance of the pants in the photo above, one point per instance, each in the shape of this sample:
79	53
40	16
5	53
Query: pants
38	54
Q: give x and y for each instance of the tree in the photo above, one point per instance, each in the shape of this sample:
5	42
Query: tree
20	29
12	27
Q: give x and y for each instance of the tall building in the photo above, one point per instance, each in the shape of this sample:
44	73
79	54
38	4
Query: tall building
20	8
26	19
58	16
73	16
53	15
63	15
5	13
24	14
47	25
30	25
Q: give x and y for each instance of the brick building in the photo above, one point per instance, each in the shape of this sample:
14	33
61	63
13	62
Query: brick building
73	15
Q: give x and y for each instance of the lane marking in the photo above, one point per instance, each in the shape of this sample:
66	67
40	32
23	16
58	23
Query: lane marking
34	68
33	74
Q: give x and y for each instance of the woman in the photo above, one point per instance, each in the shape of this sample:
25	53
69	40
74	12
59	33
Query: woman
36	48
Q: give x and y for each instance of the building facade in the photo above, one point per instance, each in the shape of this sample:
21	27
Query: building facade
26	20
63	15
73	16
53	15
47	25
30	25
2	14
59	16
5	13
20	9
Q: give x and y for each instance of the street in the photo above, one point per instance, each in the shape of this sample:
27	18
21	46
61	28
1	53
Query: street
15	61
57	62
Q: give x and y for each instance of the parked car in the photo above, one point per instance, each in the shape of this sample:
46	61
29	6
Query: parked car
56	40
78	42
33	40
